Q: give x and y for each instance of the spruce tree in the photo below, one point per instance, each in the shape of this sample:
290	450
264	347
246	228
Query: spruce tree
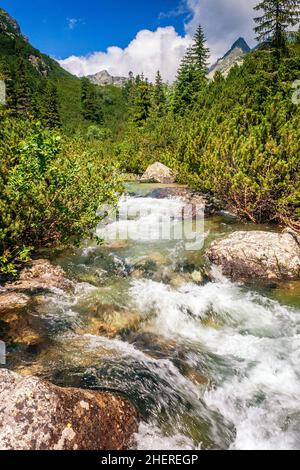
277	16
90	102
191	76
51	111
22	90
159	96
199	52
142	101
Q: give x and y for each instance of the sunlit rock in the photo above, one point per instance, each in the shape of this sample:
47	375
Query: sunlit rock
257	255
36	415
159	173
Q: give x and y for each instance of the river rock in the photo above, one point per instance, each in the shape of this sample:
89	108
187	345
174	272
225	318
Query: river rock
40	275
111	324
13	302
36	415
159	173
256	255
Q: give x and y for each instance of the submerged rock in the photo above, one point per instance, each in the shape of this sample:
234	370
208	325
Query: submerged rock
257	255
158	173
110	321
36	415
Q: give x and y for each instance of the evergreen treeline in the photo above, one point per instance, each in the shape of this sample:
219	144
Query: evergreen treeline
63	141
237	138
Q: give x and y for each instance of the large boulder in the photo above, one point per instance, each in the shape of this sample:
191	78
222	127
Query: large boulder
257	255
159	173
36	415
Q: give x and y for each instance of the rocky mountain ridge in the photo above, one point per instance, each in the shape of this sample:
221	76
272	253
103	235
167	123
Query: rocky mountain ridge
104	78
234	56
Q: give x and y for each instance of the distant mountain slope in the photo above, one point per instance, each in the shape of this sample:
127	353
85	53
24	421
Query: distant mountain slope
234	56
13	43
104	78
41	69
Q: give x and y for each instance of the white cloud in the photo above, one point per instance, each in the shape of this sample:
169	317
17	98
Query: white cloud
223	22
73	22
150	51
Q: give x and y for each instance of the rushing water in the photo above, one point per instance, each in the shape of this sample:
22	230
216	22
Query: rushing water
209	365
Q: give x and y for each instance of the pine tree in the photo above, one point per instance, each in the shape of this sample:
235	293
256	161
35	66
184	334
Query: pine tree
90	102
191	76
186	84
51	111
199	52
142	101
159	96
277	17
128	87
22	90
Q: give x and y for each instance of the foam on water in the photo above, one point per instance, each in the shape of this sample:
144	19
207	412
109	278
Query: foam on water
144	220
245	344
259	339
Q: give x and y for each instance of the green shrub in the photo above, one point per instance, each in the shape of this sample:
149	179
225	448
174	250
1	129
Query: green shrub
50	190
98	133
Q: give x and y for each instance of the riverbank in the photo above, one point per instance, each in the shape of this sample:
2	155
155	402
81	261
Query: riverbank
200	357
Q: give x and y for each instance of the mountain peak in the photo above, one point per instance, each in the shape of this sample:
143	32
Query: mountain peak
103	78
234	56
240	43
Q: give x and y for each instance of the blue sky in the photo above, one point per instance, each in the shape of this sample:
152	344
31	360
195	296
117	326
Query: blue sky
64	27
87	36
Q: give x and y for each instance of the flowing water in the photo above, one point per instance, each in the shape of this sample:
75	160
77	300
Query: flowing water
209	364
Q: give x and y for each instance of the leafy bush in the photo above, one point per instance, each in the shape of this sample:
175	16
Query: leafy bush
98	133
50	190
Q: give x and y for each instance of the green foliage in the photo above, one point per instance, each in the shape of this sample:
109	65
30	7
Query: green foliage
91	102
51	188
159	96
191	77
277	16
141	101
98	133
243	143
239	139
51	115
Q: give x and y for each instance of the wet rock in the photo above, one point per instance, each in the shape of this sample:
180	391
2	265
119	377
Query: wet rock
13	302
194	376
17	325
40	275
257	255
158	173
197	277
110	321
36	415
179	280
20	328
112	325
